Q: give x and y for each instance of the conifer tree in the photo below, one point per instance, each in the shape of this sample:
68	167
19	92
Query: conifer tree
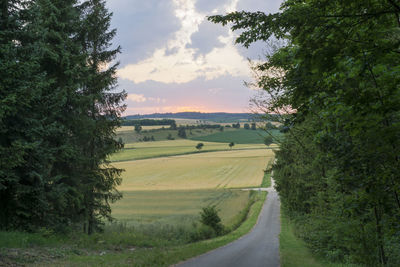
102	115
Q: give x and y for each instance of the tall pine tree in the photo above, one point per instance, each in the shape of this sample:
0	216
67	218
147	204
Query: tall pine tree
101	115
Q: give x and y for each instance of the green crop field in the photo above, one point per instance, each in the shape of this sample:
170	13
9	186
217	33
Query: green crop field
239	136
177	207
227	169
144	150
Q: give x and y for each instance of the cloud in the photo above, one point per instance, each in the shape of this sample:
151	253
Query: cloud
224	93
142	27
266	6
179	60
136	98
207	6
207	38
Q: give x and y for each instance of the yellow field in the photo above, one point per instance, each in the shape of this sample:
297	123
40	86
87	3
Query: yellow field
144	150
125	128
227	169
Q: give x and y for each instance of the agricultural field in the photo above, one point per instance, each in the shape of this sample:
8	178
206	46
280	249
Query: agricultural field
239	136
128	135
213	170
176	207
172	190
144	150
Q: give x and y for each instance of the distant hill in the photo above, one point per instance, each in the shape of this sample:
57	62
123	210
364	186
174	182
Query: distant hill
217	117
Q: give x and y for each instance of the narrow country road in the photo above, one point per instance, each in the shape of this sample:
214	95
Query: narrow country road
258	248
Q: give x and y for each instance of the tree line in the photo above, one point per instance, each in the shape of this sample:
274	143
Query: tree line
58	112
333	73
148	122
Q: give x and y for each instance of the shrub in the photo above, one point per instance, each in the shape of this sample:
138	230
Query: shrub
209	216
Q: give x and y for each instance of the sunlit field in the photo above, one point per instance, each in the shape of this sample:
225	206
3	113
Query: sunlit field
213	170
143	150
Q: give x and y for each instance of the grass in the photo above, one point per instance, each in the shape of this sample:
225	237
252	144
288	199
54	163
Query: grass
266	182
159	256
145	150
177	207
239	136
213	170
293	250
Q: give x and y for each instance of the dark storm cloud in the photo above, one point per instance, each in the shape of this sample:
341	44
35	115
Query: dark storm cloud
206	38
142	27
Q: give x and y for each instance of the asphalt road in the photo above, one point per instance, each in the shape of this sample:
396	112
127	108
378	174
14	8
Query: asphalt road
258	248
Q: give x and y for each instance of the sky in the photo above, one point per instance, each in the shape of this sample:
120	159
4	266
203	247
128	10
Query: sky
173	59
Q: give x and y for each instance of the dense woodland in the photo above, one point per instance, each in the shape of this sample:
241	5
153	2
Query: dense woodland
336	69
58	113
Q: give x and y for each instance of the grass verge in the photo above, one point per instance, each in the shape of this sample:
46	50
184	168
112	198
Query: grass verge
266	182
293	250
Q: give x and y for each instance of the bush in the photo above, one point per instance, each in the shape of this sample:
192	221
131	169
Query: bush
209	217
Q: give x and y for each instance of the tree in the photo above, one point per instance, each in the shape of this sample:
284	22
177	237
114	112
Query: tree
182	132
138	128
236	125
55	140
269	126
104	108
334	82
231	144
199	146
173	125
21	79
209	216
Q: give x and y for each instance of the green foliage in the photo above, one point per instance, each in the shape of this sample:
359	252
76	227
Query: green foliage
209	217
138	128
231	144
269	126
182	132
335	75
199	146
268	140
236	125
58	114
147	122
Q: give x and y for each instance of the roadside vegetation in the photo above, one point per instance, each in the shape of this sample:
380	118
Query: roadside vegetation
294	251
332	74
121	245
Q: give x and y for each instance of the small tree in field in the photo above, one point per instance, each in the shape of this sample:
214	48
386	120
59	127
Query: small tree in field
268	140
138	128
231	144
209	216
199	146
